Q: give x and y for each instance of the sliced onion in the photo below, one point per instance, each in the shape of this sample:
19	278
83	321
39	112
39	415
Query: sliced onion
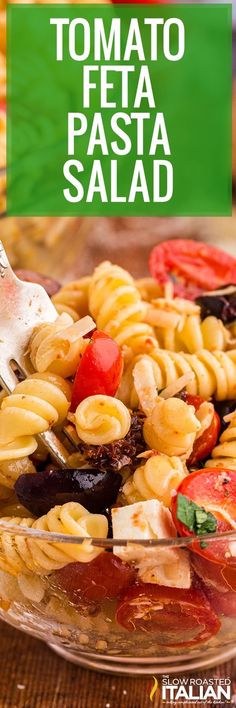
177	385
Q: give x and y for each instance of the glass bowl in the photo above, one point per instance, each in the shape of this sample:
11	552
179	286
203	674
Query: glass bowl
183	631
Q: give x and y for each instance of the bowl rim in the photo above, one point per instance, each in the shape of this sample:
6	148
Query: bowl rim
52	537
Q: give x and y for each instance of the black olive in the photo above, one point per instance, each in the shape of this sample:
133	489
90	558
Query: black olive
94	489
197	465
30	276
224	408
221	303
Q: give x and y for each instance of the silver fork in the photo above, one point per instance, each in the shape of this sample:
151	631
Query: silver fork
23	306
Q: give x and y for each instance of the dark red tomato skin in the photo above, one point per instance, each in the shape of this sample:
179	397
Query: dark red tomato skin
224	604
195	265
104	578
190	608
99	371
194	400
220	579
220	590
203	446
207	488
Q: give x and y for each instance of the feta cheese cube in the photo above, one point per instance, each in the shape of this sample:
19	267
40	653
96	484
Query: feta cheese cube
144	521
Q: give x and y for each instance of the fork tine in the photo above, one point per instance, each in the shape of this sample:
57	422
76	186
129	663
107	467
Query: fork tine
55	447
8	379
13	340
5	267
24	366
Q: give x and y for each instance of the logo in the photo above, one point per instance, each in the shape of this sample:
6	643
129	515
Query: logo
210	690
186	689
154	688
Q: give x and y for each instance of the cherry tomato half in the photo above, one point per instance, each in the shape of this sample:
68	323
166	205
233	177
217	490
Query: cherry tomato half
104	578
220	578
204	444
194	266
224	604
99	371
220	593
215	491
172	614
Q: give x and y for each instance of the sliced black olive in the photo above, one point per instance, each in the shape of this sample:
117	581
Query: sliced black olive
224	408
94	489
221	303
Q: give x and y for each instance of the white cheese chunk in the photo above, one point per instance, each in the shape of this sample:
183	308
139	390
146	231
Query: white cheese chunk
144	521
170	568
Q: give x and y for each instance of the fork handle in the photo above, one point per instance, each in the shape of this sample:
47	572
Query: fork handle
6	271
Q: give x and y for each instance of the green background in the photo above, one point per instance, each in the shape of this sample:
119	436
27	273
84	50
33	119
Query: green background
194	94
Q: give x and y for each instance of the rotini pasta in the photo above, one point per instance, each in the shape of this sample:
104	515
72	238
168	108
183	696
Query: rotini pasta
19	554
172	427
73	298
149	288
100	420
37	403
58	346
116	305
145	384
214	374
157	479
179	328
224	454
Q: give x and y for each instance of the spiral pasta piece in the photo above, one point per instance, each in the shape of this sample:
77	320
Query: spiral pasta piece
73	298
145	384
149	288
171	428
224	454
214	374
58	346
116	305
20	554
100	420
37	403
157	479
179	327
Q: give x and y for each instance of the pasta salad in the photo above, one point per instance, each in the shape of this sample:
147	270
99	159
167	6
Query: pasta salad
147	405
